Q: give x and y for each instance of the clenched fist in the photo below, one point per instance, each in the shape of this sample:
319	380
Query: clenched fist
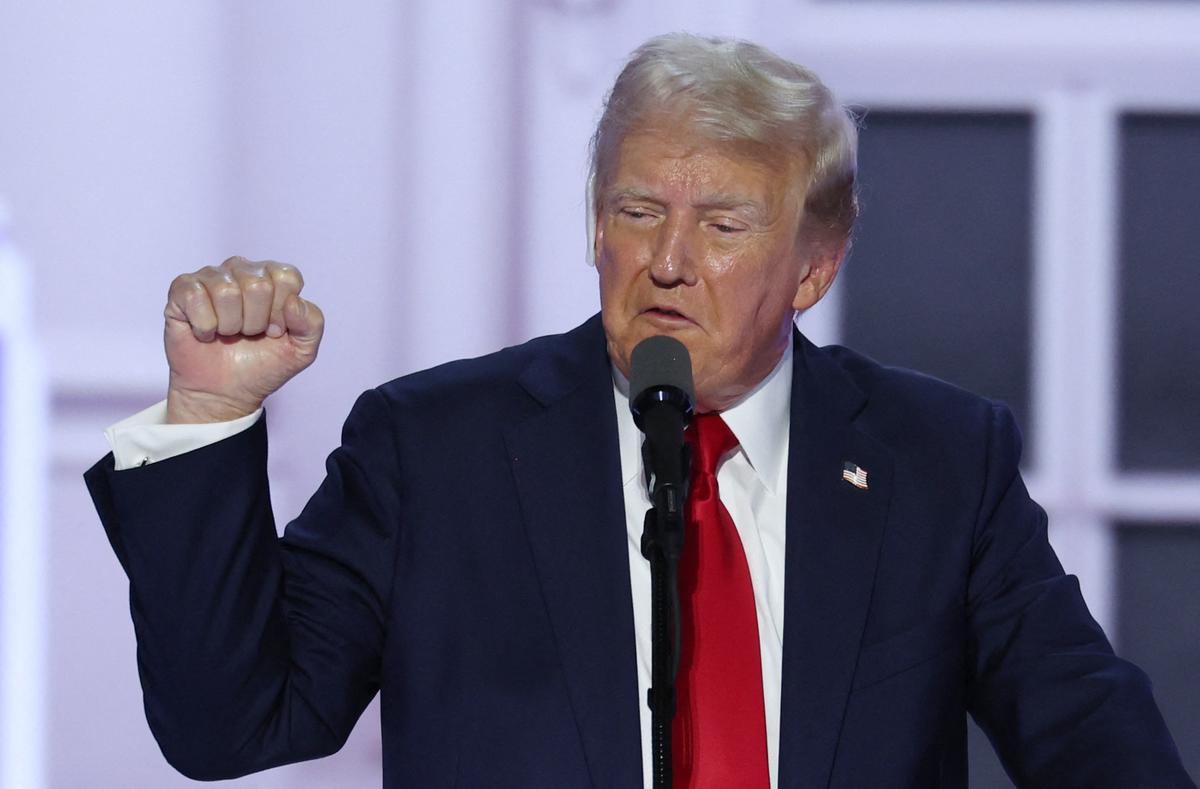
234	334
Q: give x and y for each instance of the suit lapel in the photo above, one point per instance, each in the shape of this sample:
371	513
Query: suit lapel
566	464
834	531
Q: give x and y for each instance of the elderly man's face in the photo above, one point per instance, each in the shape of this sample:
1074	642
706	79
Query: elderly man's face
697	239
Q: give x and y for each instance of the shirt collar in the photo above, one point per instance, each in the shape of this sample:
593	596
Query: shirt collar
760	420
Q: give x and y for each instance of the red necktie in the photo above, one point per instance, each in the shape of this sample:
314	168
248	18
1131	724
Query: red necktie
719	733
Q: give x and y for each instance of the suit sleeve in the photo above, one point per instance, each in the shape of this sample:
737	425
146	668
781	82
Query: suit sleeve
1060	708
255	651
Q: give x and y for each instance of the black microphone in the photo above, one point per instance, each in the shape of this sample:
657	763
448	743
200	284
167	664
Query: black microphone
662	396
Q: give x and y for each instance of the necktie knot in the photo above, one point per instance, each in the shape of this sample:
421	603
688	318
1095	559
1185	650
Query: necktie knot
711	439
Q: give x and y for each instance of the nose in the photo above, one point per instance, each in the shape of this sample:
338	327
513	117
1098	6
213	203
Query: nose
673	262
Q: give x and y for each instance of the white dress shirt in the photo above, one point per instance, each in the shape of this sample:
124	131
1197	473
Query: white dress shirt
146	437
753	487
752	482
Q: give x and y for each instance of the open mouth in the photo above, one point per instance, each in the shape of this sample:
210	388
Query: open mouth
663	312
667	318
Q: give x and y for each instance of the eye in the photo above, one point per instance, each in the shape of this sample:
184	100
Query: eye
725	229
635	213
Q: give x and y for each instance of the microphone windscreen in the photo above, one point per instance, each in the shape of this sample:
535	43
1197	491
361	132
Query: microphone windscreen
660	361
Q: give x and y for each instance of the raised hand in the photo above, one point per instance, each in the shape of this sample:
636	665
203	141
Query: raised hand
234	334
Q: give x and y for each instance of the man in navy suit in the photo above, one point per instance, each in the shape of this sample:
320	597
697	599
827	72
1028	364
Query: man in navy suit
472	553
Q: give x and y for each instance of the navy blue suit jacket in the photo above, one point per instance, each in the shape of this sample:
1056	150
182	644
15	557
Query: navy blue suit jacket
466	556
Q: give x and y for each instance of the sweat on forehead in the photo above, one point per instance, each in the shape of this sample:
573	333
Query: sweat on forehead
684	137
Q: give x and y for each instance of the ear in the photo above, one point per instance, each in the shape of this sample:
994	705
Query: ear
595	235
595	232
822	261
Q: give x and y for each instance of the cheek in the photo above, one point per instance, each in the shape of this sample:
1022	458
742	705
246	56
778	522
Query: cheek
607	284
623	247
725	264
616	283
735	280
742	261
619	262
749	295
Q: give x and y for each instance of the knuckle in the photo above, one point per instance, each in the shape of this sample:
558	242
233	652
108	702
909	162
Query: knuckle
183	283
191	292
215	278
286	274
258	286
225	291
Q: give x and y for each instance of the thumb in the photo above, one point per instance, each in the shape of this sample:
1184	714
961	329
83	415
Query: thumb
303	320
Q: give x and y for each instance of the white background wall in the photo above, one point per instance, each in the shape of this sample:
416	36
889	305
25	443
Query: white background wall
423	163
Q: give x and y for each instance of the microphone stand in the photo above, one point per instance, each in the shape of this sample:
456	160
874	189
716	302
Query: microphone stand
662	545
662	403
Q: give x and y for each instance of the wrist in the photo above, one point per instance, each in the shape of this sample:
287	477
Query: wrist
190	407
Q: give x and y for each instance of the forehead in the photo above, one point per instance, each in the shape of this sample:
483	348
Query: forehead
677	156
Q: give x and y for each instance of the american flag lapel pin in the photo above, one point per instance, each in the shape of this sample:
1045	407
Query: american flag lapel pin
854	475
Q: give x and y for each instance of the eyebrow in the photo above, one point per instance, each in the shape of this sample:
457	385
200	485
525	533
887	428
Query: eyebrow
631	193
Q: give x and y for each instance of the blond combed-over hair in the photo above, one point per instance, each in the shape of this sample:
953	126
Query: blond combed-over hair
738	92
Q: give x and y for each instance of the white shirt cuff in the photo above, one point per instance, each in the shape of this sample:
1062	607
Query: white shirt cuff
146	437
